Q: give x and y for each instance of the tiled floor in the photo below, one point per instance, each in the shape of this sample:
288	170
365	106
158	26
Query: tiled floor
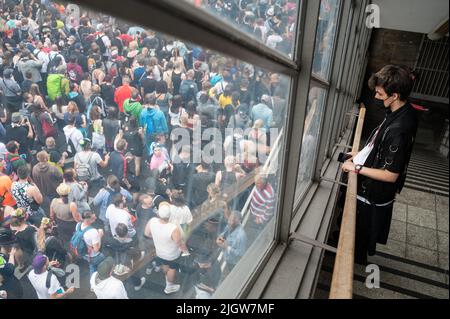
419	229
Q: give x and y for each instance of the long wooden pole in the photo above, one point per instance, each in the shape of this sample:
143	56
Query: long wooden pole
342	282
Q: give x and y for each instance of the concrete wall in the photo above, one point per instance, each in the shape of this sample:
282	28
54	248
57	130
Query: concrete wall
421	16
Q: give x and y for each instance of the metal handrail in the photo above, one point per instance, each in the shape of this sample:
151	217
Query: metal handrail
342	281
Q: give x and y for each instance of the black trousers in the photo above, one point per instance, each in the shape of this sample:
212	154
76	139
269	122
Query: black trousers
372	226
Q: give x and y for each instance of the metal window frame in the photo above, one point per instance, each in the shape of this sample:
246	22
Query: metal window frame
350	62
342	85
337	104
326	84
329	114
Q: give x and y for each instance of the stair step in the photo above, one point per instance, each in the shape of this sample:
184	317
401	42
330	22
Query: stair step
360	290
399	281
431	275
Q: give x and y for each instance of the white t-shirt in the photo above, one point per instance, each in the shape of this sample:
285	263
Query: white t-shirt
91	238
180	215
119	216
93	158
111	288
38	282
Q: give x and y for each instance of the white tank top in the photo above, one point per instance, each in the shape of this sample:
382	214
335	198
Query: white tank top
165	246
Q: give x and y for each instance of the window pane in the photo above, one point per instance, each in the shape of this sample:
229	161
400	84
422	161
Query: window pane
195	141
326	31
270	22
313	119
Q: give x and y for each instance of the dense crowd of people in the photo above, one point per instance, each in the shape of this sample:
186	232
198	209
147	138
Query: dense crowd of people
98	126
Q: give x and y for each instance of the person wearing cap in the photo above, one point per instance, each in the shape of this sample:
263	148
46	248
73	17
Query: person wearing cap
64	213
262	112
169	245
9	282
38	279
11	91
46	176
104	285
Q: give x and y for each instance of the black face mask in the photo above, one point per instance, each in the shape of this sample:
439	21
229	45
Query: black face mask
378	103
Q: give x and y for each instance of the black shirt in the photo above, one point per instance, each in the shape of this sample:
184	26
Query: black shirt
18	134
392	150
117	164
200	182
148	85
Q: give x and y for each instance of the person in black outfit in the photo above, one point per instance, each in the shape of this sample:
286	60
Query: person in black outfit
8	282
200	181
383	163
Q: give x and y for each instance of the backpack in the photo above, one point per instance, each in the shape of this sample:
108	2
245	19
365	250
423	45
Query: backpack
48	129
98	141
188	93
53	63
101	44
71	149
18	76
77	244
9	170
84	169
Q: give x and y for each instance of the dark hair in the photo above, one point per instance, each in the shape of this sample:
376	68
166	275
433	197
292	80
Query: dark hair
393	79
65	199
112	113
161	87
121	230
178	199
177	102
150	98
117	199
69	175
23	172
113	182
87	215
11	147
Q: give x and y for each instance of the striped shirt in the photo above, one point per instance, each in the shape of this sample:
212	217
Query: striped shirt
262	203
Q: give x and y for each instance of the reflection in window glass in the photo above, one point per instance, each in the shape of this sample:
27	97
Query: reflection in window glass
314	113
272	22
326	31
173	150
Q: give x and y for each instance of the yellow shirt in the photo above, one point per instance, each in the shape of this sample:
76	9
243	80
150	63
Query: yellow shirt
224	100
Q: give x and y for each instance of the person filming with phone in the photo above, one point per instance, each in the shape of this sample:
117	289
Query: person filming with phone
382	164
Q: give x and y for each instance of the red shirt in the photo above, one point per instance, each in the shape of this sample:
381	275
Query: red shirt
126	39
122	93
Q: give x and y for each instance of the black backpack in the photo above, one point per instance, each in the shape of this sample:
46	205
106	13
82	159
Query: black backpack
101	44
53	63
